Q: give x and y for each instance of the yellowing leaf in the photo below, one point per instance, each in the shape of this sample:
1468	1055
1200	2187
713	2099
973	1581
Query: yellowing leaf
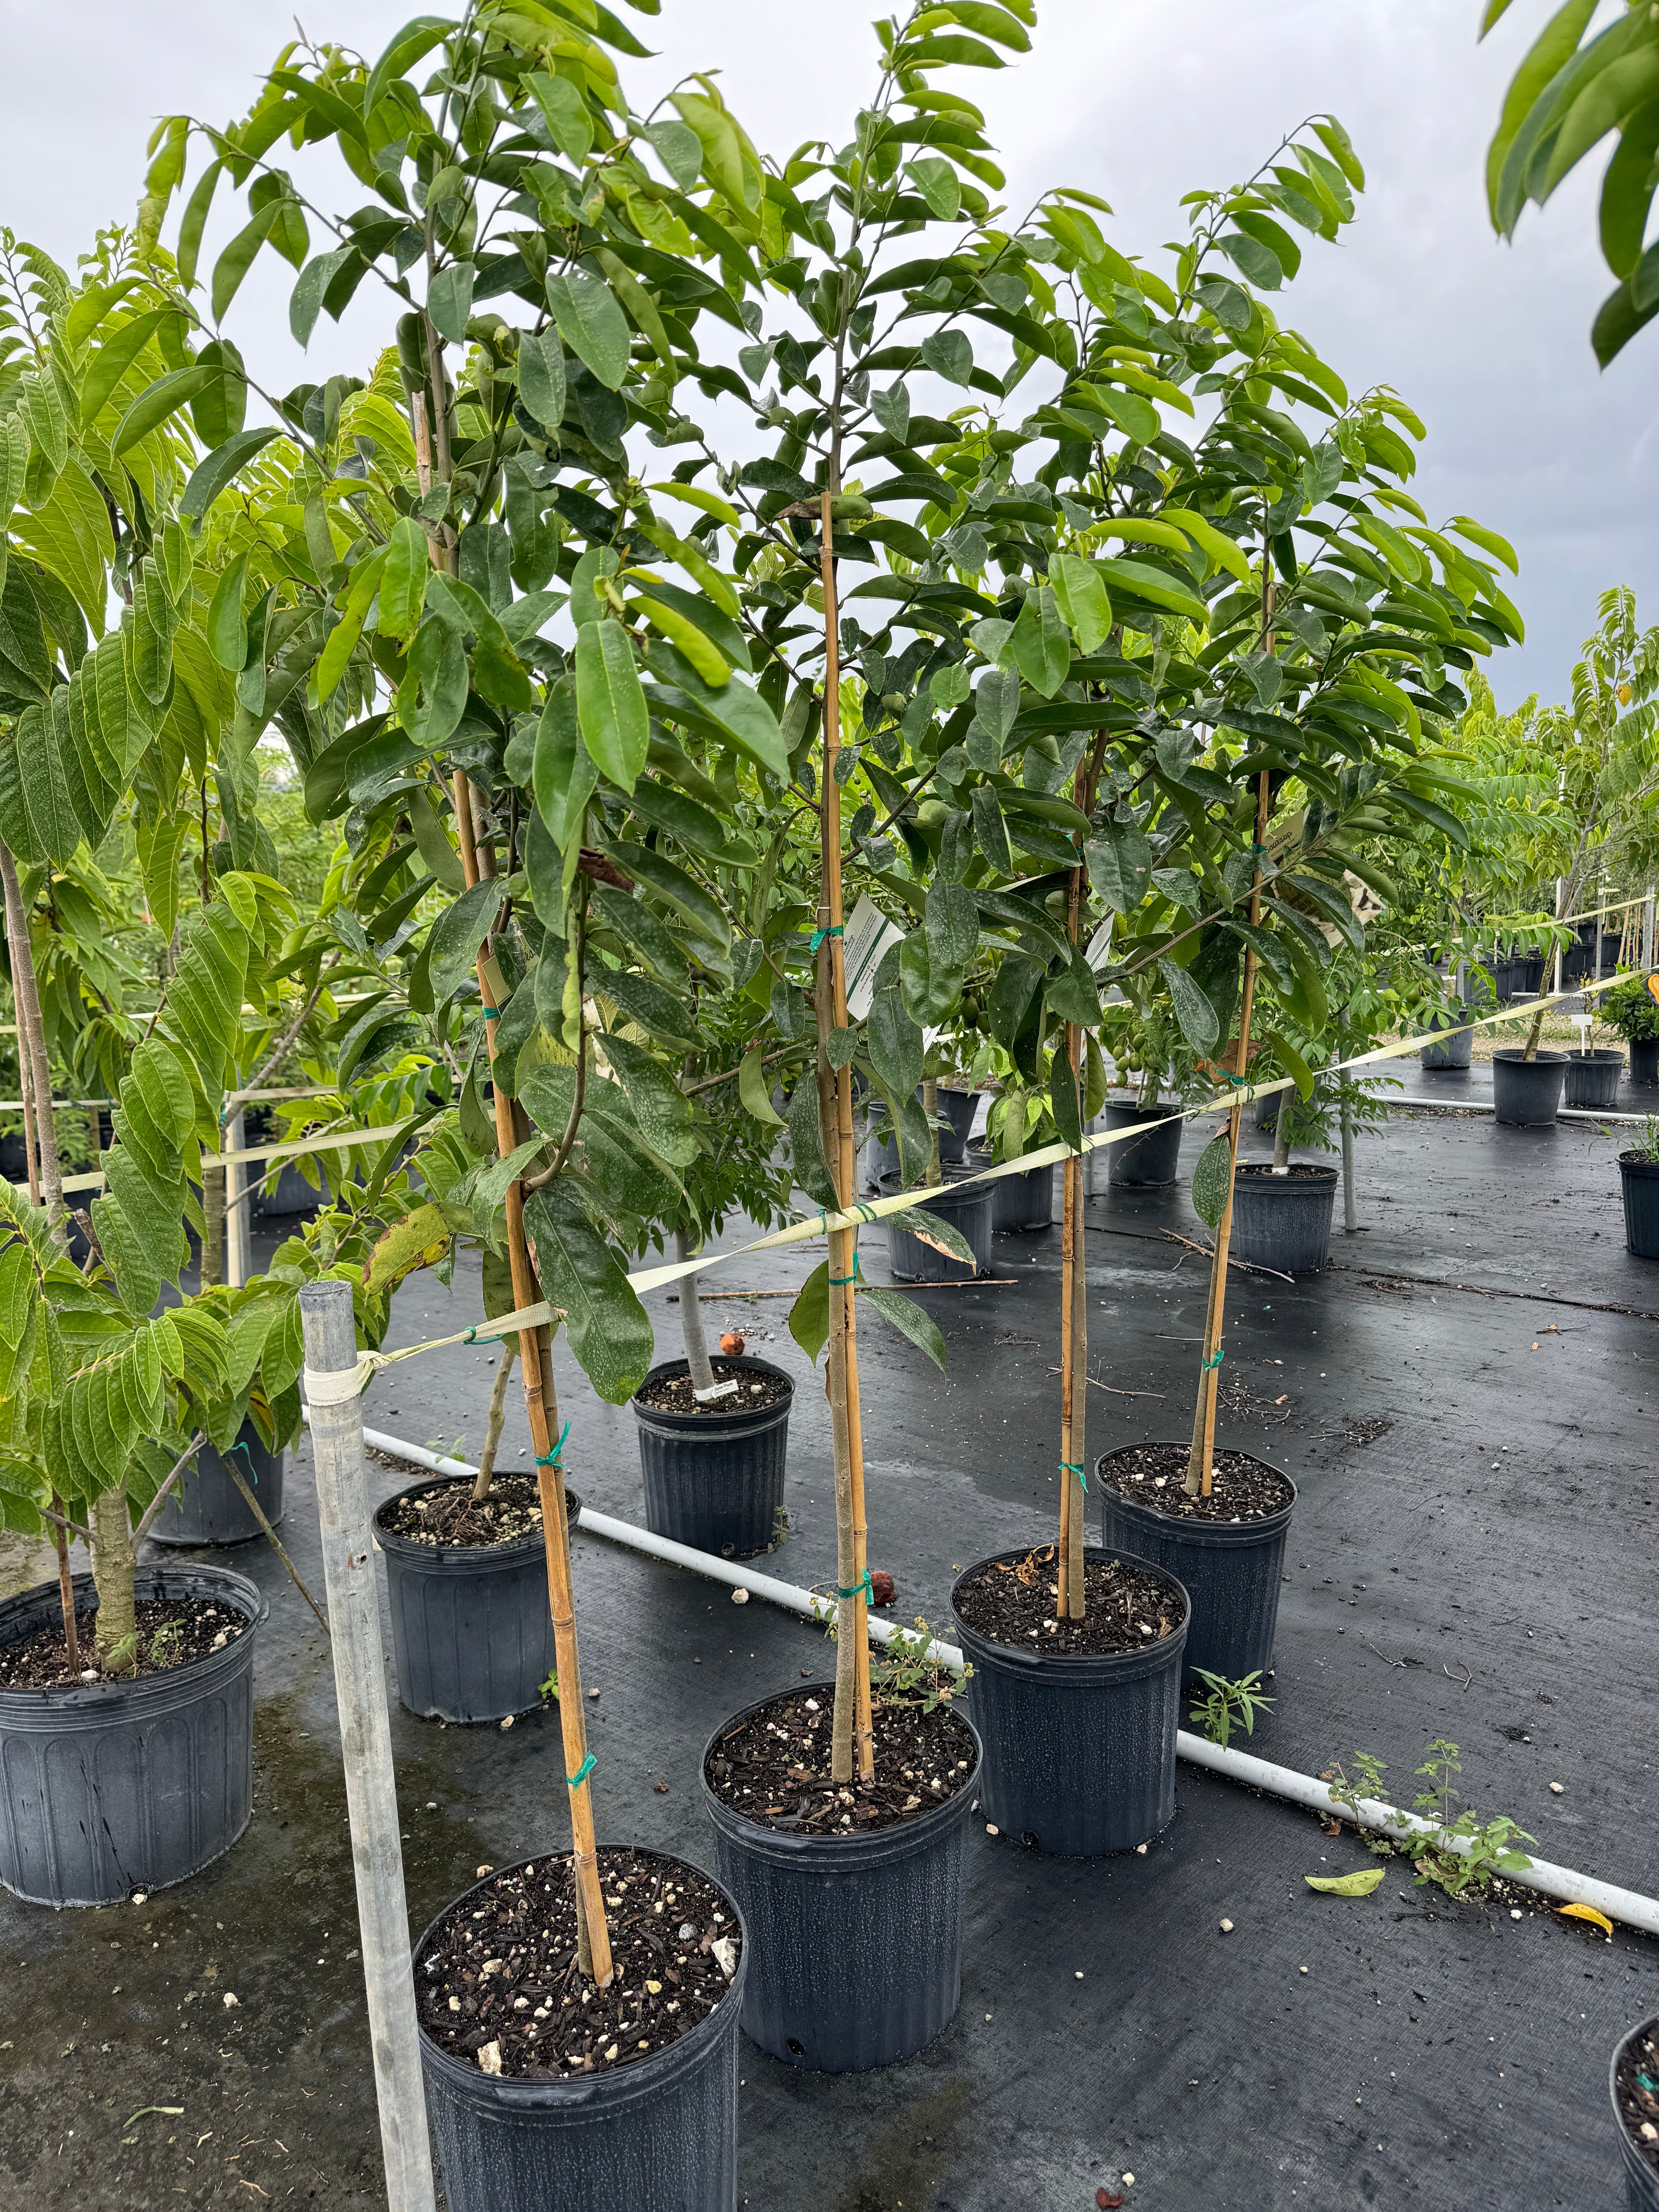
419	1240
1586	1912
1360	1883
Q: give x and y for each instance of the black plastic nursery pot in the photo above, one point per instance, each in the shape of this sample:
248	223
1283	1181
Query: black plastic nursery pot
471	1632
1023	1201
956	1121
1526	1094
1592	1079
115	1786
661	2132
1080	1750
1456	1047
1640	1178
822	1909
969	1207
1641	2175
1645	1060
715	1480
1284	1221
1147	1163
207	1508
1230	1570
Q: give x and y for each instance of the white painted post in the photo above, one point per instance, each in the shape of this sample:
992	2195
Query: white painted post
377	1859
1647	930
238	1250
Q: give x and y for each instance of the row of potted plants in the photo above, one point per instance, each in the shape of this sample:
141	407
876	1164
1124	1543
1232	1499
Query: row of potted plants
596	883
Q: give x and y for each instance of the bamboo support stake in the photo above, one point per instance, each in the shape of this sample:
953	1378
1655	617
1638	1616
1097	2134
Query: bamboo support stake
541	1405
1201	1461
853	1733
1072	1600
377	1863
32	1041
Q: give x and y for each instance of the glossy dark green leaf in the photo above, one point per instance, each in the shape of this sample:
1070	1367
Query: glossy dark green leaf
592	325
909	1319
608	1329
1213	1180
541	378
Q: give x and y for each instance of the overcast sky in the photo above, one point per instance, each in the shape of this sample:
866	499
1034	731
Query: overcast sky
1139	100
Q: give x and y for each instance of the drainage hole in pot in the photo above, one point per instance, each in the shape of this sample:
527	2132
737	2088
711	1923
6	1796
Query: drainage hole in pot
797	2047
498	1983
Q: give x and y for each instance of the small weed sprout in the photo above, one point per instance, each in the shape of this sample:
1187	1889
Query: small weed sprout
1229	1705
165	1644
1464	1852
550	1687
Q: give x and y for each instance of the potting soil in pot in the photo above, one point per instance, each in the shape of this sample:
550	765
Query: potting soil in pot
1636	2087
673	1392
171	1633
774	1766
1242	1488
443	1512
498	1983
1129	1606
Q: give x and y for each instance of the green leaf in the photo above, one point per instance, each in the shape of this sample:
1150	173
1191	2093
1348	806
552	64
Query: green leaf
948	354
541	376
1063	1097
219	409
679	149
908	1318
457	934
165	397
1119	861
115	357
895	1042
752	1089
237	257
1081	597
1137	580
809	1316
1192	1009
1040	644
990	830
227	626
931	990
564	774
449	299
736	710
806	1153
670	881
953	925
1211	1180
220	471
565	112
1134	416
933	1230
592	325
938	185
610	1330
404	579
610	709
1360	1883
661	1107
417	38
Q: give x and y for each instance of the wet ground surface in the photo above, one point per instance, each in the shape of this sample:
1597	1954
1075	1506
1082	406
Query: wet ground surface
1471	1558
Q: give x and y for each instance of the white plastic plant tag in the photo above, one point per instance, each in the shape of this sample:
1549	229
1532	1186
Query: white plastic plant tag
868	936
719	1390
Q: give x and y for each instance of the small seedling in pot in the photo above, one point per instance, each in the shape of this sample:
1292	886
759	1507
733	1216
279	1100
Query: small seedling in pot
166	1645
1229	1705
903	1673
1646	1146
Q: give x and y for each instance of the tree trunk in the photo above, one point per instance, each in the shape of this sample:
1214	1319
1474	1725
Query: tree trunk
112	1564
493	1427
1349	1207
32	1037
1282	1135
696	1349
213	1215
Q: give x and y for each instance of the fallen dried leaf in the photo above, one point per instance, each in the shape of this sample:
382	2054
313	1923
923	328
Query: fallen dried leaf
1360	1883
1586	1912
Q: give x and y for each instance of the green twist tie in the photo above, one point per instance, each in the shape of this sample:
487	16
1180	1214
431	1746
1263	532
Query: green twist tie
839	1282
818	936
865	1213
1239	1082
864	1586
1070	1467
1220	1354
492	1013
471	1337
551	1459
576	1781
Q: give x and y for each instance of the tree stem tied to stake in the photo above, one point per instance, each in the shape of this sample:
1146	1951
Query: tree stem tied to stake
851	1715
1072	1589
1201	1461
540	1404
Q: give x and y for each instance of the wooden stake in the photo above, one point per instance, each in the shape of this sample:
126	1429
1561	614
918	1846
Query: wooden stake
32	1041
852	1716
1071	1603
540	1404
66	1588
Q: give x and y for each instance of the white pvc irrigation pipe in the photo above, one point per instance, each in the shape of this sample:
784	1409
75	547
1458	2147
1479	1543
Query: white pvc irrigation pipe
1626	1905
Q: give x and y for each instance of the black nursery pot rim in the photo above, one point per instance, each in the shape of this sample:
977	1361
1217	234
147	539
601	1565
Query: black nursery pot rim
720	1414
460	1558
1086	1670
873	1847
642	2077
1216	1534
1516	1055
1602	1055
1308	1174
140	1694
1638	1163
